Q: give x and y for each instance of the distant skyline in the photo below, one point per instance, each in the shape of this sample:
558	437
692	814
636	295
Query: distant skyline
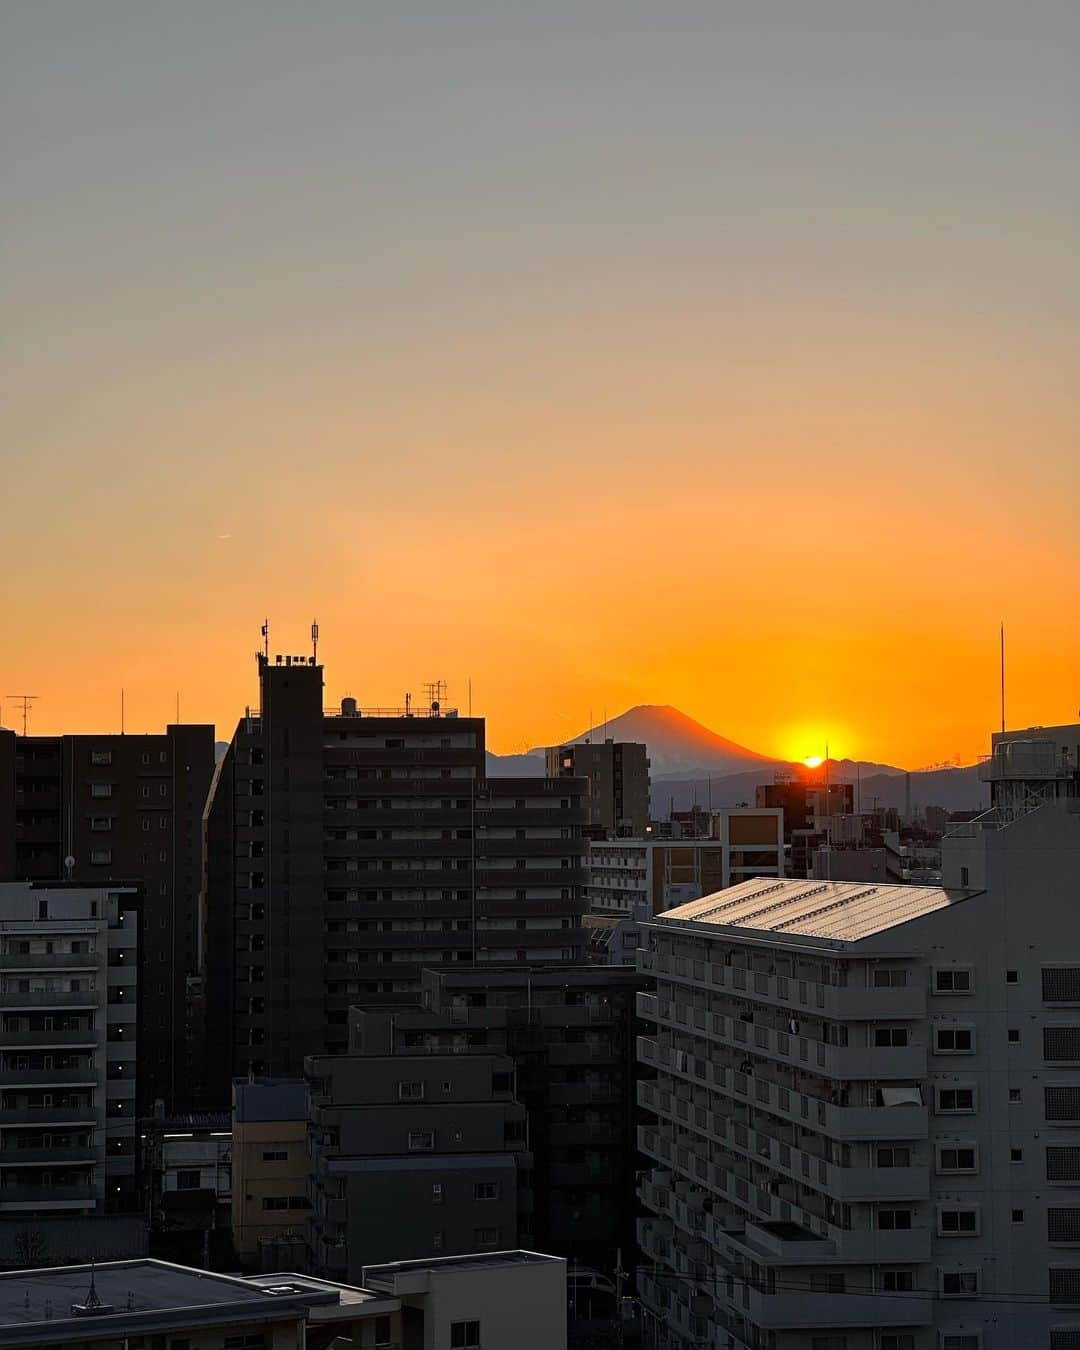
720	355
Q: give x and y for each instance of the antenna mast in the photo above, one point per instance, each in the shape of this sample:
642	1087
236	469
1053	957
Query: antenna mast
265	630
25	700
1003	678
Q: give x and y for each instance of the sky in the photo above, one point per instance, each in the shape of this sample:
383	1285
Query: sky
713	354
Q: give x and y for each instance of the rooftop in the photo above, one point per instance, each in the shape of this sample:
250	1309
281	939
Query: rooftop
842	911
269	1099
138	1297
388	1273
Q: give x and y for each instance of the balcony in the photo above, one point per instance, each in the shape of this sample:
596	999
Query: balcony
794	1309
47	1197
48	1157
48	961
39	998
24	1078
46	1039
35	1116
879	1183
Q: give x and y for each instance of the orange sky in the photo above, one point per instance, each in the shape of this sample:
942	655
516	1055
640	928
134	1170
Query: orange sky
724	362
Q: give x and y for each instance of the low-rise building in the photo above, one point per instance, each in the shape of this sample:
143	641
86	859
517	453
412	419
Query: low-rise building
69	1028
637	877
187	1178
269	1165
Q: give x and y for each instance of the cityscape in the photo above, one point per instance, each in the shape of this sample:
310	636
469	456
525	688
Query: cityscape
540	723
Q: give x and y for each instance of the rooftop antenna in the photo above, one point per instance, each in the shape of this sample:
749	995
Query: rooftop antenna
25	700
470	696
121	711
314	641
1003	678
265	630
435	691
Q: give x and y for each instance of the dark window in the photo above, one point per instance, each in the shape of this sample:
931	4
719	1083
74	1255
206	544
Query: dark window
1065	1285
188	1179
1063	1162
1061	984
1062	1043
1062	1103
465	1335
1063	1225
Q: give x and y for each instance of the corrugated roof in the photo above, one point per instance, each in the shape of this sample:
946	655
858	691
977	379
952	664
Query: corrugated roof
843	911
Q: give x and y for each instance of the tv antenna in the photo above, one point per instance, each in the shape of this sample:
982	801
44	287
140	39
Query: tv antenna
314	641
25	700
435	693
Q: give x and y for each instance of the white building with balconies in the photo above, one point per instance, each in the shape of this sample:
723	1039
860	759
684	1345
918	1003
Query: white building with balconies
69	963
866	1129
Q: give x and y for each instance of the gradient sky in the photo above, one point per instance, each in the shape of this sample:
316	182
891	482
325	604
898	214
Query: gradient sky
722	355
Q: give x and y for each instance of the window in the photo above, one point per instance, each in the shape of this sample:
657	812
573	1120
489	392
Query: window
965	876
890	979
187	1179
891	1220
828	1343
953	1040
100	789
1016	1155
100	823
253	1341
956	1158
486	1237
1061	984
1063	1163
897	1281
1065	1285
436	1192
1062	1043
437	1241
1015	1096
894	1157
275	1202
275	1154
827	1282
896	1340
101	855
1017	1216
465	1335
1014	1035
955	980
1065	1338
890	1036
299	1202
411	1092
955	1101
421	1141
959	1283
100	756
1062	1103
1063	1225
958	1222
968	1340
1012	977
486	1190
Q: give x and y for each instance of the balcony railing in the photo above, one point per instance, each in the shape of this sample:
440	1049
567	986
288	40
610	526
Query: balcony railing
46	1197
48	998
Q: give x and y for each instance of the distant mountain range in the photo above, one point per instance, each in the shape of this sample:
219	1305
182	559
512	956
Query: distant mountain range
692	763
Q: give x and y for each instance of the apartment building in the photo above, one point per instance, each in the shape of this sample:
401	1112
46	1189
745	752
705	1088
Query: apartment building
69	1036
644	876
569	1035
418	1154
187	1186
109	810
617	803
269	1164
867	1105
348	850
811	809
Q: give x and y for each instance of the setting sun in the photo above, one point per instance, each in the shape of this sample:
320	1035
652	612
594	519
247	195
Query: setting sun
814	761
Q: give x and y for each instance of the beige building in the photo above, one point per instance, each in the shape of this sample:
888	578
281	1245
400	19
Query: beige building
269	1164
636	877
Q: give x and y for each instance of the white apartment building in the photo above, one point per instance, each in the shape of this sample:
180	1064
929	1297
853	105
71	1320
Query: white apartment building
647	876
867	1104
69	963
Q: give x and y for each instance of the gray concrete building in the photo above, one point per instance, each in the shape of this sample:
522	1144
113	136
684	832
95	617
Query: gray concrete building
69	1035
867	1104
348	849
417	1154
618	772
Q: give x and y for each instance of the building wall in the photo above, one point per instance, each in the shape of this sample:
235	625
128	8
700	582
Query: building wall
257	1178
345	853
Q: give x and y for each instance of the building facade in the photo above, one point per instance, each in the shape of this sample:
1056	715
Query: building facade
269	1164
123	810
348	850
617	803
424	1155
867	1106
569	1036
69	1039
635	877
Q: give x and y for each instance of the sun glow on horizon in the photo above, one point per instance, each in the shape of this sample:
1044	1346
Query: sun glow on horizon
814	761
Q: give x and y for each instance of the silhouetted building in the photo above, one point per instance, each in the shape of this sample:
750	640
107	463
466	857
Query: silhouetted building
618	774
126	810
808	804
347	850
569	1036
